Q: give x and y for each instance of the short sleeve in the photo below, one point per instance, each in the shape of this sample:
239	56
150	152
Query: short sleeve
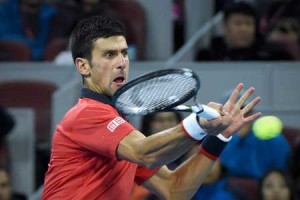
97	129
143	173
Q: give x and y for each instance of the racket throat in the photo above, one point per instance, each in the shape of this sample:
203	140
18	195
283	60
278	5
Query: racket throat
197	109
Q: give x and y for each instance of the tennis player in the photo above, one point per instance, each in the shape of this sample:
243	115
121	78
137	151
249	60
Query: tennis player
97	154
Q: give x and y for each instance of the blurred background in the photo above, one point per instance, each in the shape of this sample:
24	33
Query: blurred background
224	41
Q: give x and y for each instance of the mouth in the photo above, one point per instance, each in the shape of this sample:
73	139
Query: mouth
120	80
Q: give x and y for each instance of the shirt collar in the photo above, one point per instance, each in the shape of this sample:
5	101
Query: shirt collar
87	93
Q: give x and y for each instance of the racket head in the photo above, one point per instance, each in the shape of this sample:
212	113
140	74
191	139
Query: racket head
156	91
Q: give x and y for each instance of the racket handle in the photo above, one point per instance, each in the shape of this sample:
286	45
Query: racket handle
205	112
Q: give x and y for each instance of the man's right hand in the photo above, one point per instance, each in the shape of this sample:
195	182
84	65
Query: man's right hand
232	114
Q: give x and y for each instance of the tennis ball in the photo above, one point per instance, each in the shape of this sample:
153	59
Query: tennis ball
267	127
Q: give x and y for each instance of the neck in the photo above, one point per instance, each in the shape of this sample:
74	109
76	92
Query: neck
93	88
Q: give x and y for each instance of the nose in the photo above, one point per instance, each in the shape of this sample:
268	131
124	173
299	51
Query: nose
121	61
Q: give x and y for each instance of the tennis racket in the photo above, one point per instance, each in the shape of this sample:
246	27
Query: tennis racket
162	90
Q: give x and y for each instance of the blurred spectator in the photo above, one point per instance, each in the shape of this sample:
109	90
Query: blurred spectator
150	124
286	29
6	122
238	43
6	192
220	4
248	156
241	40
5	189
133	21
285	33
95	7
179	23
135	24
27	21
6	125
273	10
69	13
294	168
215	186
275	184
156	122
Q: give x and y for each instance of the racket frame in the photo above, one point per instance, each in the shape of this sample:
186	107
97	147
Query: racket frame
176	106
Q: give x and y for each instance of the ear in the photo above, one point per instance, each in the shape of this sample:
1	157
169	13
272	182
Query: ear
83	66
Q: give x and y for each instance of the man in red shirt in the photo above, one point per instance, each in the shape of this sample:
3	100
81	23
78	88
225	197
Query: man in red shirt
96	154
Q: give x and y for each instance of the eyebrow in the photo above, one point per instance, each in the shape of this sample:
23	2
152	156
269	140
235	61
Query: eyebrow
113	50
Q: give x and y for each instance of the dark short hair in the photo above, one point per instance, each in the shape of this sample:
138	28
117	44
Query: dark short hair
88	30
239	8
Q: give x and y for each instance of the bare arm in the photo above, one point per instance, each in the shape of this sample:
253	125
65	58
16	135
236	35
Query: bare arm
184	181
164	147
155	150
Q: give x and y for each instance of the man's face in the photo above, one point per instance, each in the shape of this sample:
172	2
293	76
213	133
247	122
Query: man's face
108	68
239	30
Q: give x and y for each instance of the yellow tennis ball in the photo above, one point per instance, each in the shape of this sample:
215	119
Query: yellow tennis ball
267	127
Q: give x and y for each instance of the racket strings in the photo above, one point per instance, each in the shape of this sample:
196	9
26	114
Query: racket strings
156	93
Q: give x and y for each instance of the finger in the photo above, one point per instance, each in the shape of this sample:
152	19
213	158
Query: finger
251	105
252	117
234	95
244	97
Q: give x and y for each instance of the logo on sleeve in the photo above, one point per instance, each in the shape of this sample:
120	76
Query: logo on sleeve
115	123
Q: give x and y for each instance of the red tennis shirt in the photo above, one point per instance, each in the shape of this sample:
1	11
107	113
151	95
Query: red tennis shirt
83	163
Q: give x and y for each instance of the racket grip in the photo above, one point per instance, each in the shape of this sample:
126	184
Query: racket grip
206	112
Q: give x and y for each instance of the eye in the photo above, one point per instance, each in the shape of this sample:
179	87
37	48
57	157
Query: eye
125	53
109	54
